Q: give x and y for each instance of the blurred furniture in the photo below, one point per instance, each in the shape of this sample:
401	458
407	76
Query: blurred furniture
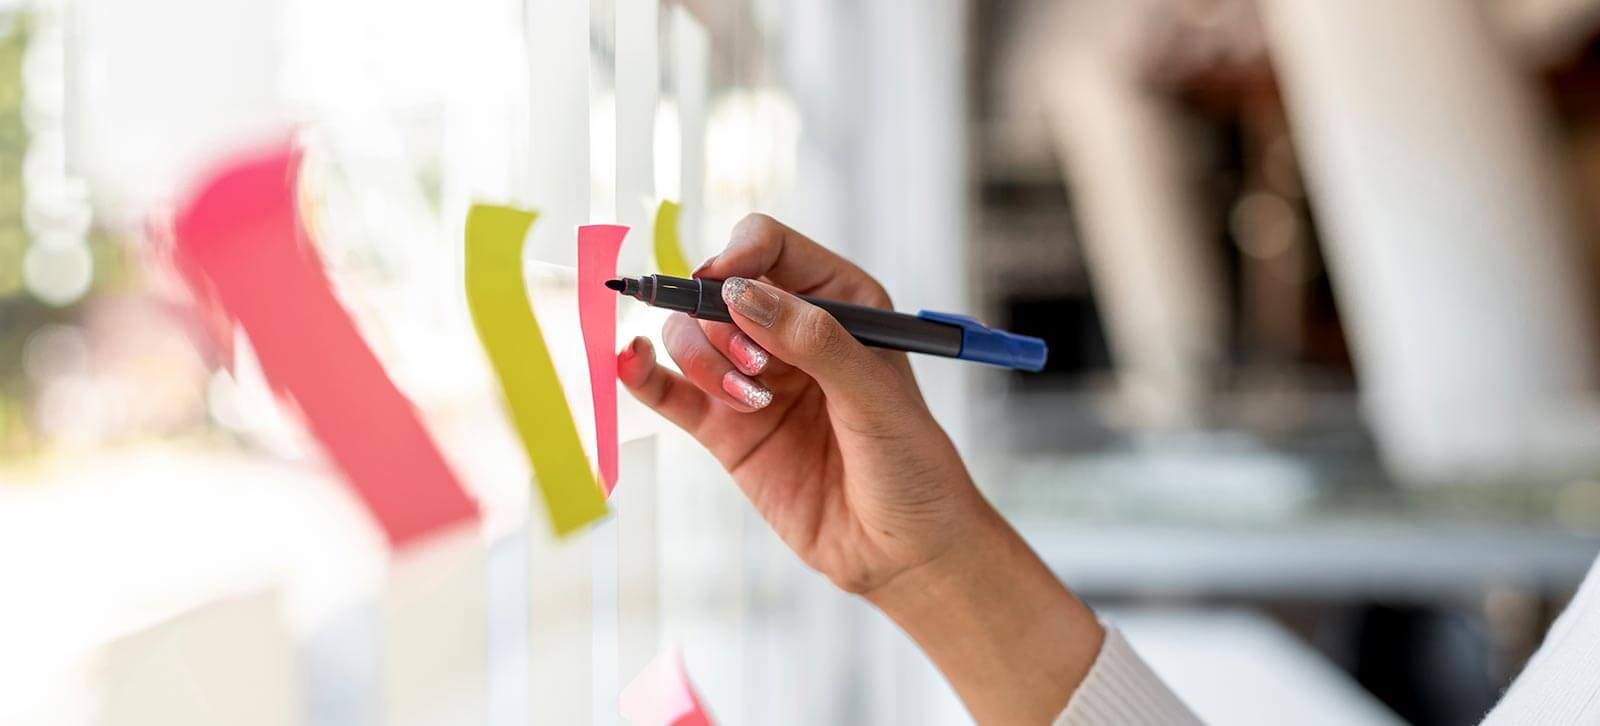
1238	667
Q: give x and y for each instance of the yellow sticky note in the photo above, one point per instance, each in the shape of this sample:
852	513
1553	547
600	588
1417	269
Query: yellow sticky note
669	254
498	298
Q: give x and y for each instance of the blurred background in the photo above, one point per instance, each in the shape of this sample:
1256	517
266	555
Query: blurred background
1320	429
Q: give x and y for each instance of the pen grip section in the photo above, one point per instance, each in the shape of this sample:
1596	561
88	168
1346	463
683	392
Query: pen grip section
872	326
710	305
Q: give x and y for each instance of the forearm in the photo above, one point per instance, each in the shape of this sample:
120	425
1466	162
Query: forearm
1008	635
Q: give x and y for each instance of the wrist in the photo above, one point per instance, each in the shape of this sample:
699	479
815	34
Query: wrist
983	542
1011	639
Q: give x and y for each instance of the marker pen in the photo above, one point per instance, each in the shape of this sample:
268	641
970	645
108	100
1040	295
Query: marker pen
941	334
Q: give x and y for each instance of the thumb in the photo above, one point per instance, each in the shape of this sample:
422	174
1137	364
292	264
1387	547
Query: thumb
807	337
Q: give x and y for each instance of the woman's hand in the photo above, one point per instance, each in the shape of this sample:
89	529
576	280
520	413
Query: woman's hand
833	444
830	440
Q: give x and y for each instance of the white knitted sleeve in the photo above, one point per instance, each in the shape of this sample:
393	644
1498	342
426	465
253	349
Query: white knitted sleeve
1560	683
1121	690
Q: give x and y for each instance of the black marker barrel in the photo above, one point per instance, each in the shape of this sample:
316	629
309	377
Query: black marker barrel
941	334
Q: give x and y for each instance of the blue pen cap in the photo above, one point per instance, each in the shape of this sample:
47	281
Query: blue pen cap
983	344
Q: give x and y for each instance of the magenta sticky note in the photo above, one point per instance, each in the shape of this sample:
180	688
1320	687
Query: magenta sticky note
598	245
240	243
662	696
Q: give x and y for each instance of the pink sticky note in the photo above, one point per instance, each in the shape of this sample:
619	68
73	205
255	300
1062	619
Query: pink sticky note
240	242
598	245
662	696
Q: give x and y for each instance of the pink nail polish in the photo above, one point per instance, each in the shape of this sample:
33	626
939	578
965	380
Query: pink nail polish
748	356
746	391
703	266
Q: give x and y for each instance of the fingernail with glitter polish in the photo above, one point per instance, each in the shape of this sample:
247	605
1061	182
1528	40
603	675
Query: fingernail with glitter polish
748	356
746	391
751	300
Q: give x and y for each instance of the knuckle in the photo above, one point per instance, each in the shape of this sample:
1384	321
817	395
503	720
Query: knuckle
679	334
818	333
693	359
873	294
653	392
672	332
756	227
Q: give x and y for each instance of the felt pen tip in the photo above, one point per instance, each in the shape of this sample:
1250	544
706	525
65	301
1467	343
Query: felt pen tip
615	285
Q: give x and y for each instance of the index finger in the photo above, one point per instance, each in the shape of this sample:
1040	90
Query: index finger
761	246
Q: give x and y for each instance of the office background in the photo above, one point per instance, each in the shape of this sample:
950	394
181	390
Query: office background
1321	427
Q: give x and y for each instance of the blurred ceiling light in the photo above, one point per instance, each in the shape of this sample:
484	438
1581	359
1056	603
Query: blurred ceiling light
58	266
1264	225
58	274
1281	168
